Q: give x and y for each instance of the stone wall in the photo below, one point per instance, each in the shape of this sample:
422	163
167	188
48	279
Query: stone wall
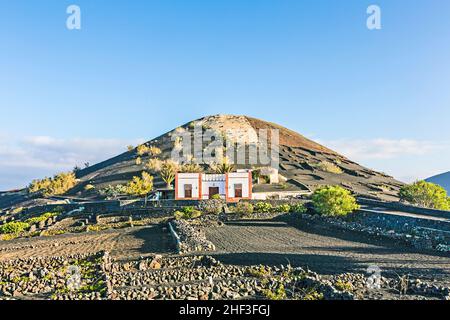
399	206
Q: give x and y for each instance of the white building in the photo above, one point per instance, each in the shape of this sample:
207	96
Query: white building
231	186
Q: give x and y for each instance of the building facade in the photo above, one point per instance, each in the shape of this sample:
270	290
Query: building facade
232	186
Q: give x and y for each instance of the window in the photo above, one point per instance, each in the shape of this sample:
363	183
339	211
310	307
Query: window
188	190
238	190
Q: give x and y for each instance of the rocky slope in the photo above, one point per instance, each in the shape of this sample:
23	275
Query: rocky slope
302	161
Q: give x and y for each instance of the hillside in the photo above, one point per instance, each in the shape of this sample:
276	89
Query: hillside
442	180
302	161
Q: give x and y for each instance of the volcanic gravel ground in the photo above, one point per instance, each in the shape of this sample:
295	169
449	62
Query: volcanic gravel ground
327	251
121	243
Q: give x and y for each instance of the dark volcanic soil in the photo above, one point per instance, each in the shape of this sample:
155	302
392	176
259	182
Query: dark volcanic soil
122	244
324	251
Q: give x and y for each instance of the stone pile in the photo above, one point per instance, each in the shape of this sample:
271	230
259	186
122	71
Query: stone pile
184	277
204	278
190	238
417	237
45	277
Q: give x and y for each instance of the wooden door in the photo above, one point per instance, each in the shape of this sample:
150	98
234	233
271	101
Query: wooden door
213	191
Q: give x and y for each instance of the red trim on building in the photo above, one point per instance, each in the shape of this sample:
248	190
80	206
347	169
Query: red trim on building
176	186
250	185
200	191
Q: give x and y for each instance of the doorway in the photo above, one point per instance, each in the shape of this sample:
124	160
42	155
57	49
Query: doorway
213	191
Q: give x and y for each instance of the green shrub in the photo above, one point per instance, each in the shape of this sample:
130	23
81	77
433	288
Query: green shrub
298	208
329	167
263	207
282	208
334	201
216	197
112	192
140	186
425	194
17	210
42	217
179	215
244	208
14	227
89	187
313	295
344	285
187	213
275	294
59	184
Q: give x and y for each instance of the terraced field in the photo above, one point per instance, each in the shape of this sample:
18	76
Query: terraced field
327	251
121	243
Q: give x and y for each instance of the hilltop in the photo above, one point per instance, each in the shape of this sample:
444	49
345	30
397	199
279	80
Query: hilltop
302	161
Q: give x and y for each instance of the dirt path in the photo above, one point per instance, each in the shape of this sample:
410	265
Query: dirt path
323	250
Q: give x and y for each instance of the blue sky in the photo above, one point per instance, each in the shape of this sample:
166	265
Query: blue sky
139	68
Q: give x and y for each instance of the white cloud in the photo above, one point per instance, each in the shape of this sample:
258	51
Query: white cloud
406	159
24	159
27	158
385	148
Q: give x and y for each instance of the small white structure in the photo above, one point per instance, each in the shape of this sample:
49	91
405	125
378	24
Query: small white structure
270	173
232	186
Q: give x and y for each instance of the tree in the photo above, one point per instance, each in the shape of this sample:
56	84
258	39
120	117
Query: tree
59	184
154	165
334	201
140	186
191	167
425	194
168	170
146	150
222	167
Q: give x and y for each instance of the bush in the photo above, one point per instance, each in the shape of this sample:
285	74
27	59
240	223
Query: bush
263	207
244	208
298	208
14	227
282	208
334	201
112	192
187	213
425	194
59	184
191	167
42	217
329	167
140	186
89	187
216	197
143	150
